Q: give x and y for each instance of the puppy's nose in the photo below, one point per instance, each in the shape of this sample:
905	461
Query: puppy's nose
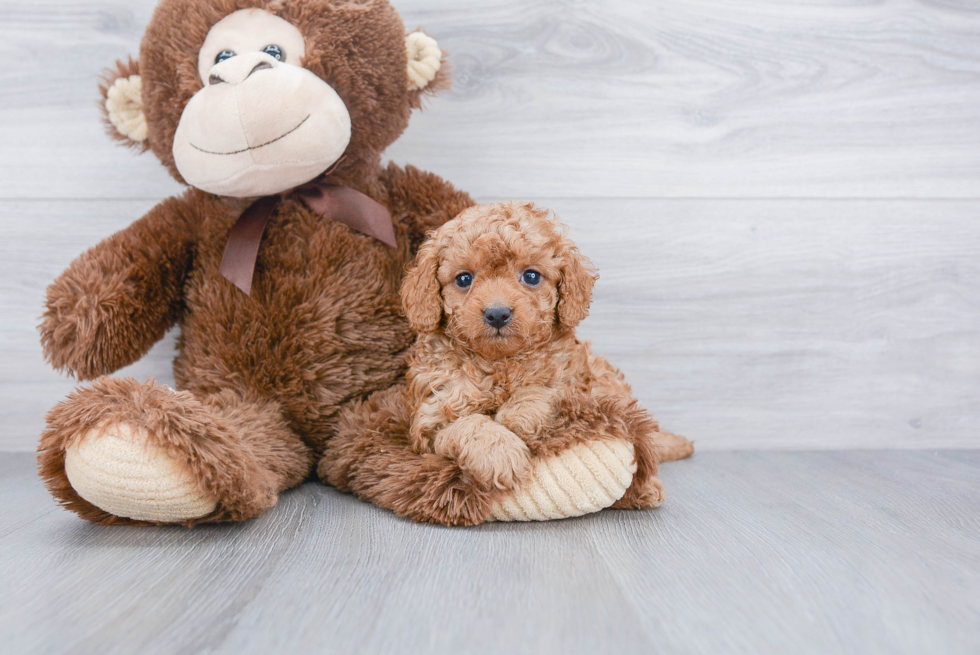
497	316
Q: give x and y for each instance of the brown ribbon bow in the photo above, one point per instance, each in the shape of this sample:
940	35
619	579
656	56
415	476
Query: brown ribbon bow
342	204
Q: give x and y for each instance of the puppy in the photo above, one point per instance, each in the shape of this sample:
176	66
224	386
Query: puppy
495	296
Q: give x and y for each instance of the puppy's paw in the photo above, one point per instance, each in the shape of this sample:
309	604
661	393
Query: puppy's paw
643	495
527	413
503	460
526	425
486	450
672	447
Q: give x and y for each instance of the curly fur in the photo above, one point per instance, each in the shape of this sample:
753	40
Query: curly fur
485	400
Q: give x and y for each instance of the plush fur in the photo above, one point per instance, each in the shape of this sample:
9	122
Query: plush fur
262	377
480	403
356	47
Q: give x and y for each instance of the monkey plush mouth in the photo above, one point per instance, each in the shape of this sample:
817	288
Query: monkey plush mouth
228	157
261	145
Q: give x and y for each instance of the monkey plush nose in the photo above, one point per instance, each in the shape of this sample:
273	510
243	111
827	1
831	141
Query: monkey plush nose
239	68
497	316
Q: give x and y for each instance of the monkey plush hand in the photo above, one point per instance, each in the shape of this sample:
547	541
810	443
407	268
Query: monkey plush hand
281	263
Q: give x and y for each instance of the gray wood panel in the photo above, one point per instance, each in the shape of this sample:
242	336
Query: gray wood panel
636	98
41	239
741	323
770	323
858	552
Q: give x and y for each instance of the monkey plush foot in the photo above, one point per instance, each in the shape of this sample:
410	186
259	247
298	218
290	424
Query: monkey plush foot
585	478
124	452
121	471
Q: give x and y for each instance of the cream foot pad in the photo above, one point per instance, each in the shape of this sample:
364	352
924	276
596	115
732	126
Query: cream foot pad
121	473
585	478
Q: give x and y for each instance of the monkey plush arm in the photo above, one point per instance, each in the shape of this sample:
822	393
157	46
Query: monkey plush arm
120	297
422	201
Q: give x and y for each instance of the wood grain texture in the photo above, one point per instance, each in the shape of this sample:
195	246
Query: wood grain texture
858	552
740	323
41	239
558	98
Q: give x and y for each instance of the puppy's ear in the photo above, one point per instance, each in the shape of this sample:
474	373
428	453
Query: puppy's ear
421	299
578	276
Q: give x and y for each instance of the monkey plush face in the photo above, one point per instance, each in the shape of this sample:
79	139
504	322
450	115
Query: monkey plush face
261	123
249	98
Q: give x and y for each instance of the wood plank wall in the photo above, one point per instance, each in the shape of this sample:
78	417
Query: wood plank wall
781	196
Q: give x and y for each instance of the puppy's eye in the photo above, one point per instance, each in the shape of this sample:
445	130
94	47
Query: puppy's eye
464	280
531	278
274	51
224	54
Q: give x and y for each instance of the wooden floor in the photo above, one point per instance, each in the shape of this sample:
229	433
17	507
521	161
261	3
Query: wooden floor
857	552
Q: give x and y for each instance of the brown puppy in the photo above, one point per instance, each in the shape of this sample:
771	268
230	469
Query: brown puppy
495	296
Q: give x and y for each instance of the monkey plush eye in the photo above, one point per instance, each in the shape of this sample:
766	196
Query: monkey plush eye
463	280
224	54
531	278
273	51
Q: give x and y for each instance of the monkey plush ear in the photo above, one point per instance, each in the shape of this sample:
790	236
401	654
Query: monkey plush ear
427	72
122	104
